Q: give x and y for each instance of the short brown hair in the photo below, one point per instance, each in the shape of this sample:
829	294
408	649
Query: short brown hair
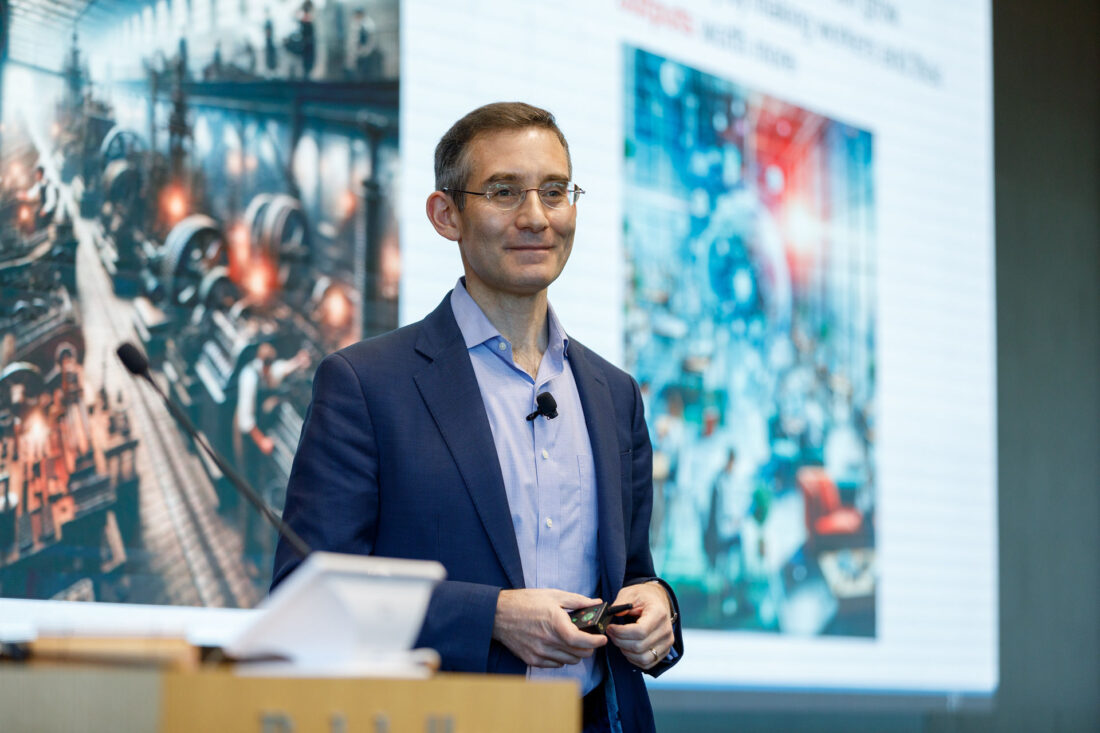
452	165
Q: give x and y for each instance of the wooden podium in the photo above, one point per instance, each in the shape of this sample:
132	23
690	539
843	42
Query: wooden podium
43	697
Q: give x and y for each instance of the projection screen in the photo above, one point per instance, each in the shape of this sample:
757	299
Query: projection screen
786	237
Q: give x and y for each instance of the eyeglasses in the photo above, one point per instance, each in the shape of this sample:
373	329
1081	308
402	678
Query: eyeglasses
510	196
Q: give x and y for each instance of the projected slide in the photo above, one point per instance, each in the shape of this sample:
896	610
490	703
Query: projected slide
748	234
786	237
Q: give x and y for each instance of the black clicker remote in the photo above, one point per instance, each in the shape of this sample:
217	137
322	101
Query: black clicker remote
594	619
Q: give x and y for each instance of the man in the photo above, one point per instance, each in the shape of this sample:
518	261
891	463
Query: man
419	443
362	59
255	414
42	195
271	51
258	381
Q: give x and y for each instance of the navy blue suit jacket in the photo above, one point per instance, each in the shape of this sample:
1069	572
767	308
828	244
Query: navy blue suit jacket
397	459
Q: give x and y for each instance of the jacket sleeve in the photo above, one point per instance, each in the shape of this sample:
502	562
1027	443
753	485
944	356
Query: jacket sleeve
639	560
459	625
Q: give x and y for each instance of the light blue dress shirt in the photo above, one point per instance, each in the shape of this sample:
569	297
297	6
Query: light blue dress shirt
549	474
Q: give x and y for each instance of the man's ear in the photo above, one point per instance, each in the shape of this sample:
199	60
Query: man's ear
443	214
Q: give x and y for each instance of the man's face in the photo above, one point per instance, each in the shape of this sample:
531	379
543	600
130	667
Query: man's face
518	252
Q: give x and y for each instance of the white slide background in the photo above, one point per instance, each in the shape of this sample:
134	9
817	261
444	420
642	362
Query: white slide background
918	76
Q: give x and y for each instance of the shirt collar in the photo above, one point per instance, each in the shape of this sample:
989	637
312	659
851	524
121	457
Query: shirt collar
476	328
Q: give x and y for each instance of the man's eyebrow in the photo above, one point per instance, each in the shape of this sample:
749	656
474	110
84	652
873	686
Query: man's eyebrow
498	177
508	177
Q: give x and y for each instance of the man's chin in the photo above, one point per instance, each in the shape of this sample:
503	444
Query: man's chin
537	281
517	287
528	289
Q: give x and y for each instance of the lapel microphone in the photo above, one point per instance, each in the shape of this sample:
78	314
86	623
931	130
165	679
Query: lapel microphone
546	406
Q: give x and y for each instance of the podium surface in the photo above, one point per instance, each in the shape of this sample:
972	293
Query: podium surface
38	697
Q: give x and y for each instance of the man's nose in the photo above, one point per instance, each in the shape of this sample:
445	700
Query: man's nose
532	213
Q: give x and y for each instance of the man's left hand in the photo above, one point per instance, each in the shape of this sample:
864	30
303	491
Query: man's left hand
646	641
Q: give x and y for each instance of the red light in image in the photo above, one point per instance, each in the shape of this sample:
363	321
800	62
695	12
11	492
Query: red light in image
173	202
260	280
336	308
239	250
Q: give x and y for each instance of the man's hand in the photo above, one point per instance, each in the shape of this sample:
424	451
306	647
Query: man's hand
646	641
534	624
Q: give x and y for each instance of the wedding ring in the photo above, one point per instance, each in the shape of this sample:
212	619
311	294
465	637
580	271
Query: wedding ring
656	656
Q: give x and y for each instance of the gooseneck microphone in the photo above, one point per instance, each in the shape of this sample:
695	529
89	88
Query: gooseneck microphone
545	406
138	365
135	362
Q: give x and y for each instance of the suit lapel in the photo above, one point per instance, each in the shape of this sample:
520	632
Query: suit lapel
599	415
449	388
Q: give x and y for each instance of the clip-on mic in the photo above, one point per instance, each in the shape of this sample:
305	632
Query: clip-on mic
546	406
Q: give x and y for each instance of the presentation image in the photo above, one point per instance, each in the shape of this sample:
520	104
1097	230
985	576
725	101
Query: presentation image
212	182
785	237
750	325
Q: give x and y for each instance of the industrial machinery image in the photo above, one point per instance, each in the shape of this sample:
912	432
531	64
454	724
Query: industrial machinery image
214	184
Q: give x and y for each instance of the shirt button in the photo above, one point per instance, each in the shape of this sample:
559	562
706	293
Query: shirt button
549	523
545	453
502	346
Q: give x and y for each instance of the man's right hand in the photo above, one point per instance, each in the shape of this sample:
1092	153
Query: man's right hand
535	625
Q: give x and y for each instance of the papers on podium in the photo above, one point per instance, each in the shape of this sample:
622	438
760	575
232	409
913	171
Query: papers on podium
342	615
